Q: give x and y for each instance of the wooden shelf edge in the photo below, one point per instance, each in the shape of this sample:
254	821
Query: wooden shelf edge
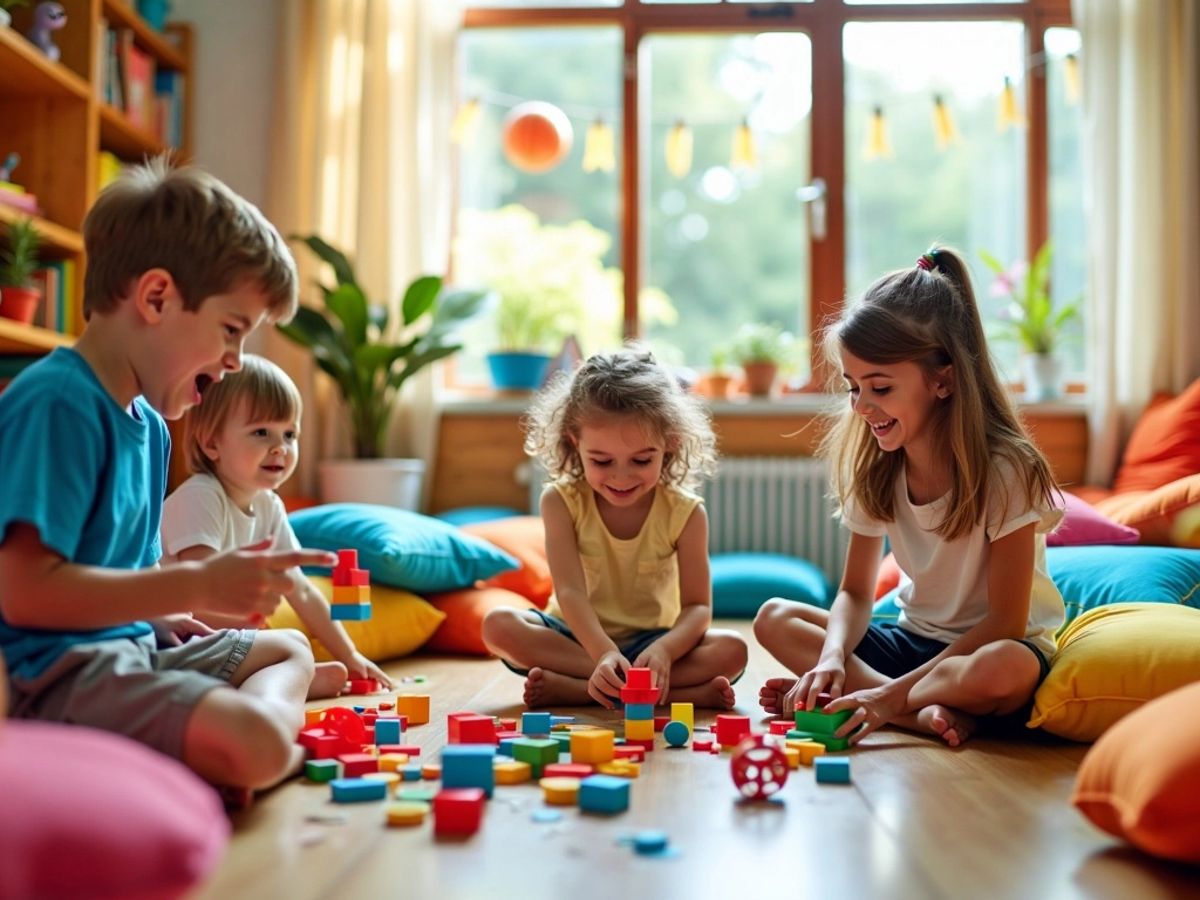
29	339
54	236
124	16
37	74
124	138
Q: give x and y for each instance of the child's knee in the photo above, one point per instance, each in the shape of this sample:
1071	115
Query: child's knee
733	653
770	616
498	628
240	741
1005	672
287	645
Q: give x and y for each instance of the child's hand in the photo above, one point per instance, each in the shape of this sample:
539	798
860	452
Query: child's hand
827	677
173	630
872	707
361	667
608	678
658	661
250	581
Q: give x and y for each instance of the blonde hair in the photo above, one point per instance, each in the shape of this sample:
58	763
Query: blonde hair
190	224
930	317
260	387
628	382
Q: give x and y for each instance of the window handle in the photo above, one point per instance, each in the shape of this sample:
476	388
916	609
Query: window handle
814	195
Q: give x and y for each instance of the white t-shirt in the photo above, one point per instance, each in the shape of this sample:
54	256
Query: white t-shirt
200	513
948	590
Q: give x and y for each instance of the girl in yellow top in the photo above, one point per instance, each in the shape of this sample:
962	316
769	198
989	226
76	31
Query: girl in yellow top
627	543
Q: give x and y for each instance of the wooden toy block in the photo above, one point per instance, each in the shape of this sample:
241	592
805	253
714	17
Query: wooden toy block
431	771
639	711
508	725
387	730
406	749
660	722
322	770
604	794
538	752
392	762
593	747
411	772
469	765
622	768
568	770
645	745
386	705
420	793
513	772
703	744
330	746
535	723
560	791
561	722
391	779
415	707
639	729
685	713
368	715
350	595
502	736
350	578
406	812
830	742
676	733
355	764
832	770
457	811
472	729
312	717
780	726
639	695
808	750
362	686
639	677
650	842
356	790
793	756
731	729
347	559
504	745
350	612
633	754
819	722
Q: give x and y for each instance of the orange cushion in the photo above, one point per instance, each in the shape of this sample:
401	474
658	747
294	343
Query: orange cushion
462	629
1165	444
1153	512
525	538
1141	781
888	578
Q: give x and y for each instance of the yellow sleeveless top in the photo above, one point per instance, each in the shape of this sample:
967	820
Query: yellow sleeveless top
633	585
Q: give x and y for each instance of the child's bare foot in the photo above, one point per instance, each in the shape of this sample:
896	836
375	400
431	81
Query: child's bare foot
545	688
714	694
328	681
771	694
951	725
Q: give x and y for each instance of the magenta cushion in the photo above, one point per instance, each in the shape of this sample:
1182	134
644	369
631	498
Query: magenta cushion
92	814
1084	524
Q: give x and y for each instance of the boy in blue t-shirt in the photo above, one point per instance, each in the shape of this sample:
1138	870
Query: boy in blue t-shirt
180	270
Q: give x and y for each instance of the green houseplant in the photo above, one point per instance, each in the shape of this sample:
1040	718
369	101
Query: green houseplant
761	349
18	261
1031	318
367	354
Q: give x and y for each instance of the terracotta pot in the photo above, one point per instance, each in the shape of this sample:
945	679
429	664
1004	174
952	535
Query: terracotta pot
19	304
760	377
717	386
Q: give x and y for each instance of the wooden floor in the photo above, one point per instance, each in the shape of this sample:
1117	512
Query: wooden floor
989	820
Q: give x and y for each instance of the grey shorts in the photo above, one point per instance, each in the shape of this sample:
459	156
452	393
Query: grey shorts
131	687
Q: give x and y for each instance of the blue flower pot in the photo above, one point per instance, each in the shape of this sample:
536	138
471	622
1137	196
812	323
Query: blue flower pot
518	371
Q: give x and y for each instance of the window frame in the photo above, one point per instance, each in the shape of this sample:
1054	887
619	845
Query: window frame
823	21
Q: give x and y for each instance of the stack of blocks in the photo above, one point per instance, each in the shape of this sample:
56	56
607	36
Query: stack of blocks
639	695
351	589
818	726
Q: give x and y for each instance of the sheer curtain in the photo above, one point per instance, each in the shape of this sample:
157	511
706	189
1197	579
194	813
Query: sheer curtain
364	101
1141	93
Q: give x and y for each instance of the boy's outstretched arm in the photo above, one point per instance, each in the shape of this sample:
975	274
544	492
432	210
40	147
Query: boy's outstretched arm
40	589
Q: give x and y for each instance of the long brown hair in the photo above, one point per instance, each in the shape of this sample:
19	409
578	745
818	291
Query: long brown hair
930	317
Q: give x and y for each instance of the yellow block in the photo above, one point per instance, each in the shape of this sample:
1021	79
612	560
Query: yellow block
560	790
685	713
793	757
406	812
622	768
515	772
390	762
415	706
348	593
639	729
808	750
391	779
431	771
592	746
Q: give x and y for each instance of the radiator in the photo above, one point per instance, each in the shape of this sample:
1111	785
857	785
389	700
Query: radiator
764	504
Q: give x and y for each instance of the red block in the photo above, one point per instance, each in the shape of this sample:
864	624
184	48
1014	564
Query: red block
452	725
458	810
660	722
347	559
355	764
731	729
476	730
369	716
308	738
639	695
639	678
570	770
362	686
702	744
645	745
781	726
508	735
636	754
508	725
351	578
406	749
386	705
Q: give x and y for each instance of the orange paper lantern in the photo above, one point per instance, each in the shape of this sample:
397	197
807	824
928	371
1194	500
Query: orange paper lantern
537	136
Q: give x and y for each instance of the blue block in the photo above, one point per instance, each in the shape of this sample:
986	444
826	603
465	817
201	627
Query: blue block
355	790
639	712
535	723
350	612
469	765
561	720
604	793
506	747
411	772
832	769
676	733
387	731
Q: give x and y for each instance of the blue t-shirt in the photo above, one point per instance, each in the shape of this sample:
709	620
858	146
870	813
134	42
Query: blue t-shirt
89	476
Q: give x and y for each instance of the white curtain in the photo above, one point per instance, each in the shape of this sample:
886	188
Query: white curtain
360	157
1141	93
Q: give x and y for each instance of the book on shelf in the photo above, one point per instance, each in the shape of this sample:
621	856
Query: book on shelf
49	311
16	197
108	169
139	83
168	91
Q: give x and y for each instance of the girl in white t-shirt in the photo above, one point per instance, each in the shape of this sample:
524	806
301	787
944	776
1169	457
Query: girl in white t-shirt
242	444
930	453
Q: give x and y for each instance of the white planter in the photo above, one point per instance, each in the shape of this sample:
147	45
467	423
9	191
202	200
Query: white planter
1042	373
390	482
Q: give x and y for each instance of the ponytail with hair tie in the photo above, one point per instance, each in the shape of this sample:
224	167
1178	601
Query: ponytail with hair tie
927	261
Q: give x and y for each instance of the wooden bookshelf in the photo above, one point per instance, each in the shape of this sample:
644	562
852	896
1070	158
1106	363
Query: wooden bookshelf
55	116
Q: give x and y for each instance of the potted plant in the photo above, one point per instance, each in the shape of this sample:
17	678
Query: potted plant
1032	320
370	357
761	349
5	7
18	261
720	376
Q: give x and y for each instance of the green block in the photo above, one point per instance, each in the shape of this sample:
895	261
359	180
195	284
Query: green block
537	752
821	722
322	769
420	792
830	742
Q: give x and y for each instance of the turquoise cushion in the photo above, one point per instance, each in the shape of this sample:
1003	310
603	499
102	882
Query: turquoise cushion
471	515
400	548
742	582
1093	576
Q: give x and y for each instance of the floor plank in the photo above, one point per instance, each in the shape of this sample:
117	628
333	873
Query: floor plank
991	819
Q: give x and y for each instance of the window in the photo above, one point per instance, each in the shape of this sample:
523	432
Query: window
680	248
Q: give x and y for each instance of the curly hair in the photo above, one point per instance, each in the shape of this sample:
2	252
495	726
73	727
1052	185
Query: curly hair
628	382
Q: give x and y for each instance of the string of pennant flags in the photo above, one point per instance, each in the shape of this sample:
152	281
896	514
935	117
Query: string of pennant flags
599	149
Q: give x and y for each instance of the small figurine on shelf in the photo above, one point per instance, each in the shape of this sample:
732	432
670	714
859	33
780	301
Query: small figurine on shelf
48	17
10	162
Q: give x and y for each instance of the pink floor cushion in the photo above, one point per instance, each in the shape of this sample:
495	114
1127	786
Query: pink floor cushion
92	814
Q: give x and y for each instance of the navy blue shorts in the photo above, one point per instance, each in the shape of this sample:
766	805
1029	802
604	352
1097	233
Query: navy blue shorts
631	649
